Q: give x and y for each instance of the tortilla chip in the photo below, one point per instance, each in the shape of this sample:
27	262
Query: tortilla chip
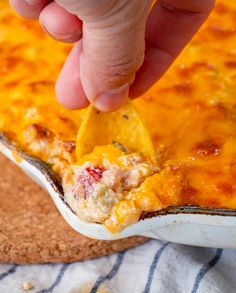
123	127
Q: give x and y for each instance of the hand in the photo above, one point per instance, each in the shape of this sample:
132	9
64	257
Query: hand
123	50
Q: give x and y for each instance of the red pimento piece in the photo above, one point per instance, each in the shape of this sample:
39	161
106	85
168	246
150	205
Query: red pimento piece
95	172
86	179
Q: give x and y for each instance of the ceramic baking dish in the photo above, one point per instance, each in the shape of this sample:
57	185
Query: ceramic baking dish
184	224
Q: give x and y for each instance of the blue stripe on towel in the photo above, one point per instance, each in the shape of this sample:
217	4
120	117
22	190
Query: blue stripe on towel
110	275
57	280
9	272
206	268
153	267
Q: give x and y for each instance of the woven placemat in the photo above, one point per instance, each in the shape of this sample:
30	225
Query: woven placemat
33	231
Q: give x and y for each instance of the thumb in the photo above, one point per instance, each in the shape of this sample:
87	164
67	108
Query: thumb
112	47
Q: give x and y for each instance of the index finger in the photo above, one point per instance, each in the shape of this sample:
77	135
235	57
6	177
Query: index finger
27	10
170	26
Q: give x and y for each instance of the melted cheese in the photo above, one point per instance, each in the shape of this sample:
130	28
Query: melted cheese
195	102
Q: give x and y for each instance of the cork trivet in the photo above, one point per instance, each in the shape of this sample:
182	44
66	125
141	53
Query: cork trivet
33	231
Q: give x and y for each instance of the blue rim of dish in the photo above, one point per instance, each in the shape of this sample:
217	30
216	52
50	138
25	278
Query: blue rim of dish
55	182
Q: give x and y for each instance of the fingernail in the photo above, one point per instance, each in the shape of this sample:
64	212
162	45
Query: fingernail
112	99
64	37
68	37
33	2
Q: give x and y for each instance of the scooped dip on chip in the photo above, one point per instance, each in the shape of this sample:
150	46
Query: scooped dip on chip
104	179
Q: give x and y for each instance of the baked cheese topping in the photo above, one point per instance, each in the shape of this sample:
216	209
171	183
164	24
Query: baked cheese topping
190	113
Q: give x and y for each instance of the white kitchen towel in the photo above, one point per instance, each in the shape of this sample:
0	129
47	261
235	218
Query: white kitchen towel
155	267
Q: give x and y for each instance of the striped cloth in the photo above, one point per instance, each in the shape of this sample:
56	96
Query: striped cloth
156	266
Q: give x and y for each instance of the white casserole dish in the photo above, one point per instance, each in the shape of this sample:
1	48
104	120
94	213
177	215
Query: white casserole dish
187	224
